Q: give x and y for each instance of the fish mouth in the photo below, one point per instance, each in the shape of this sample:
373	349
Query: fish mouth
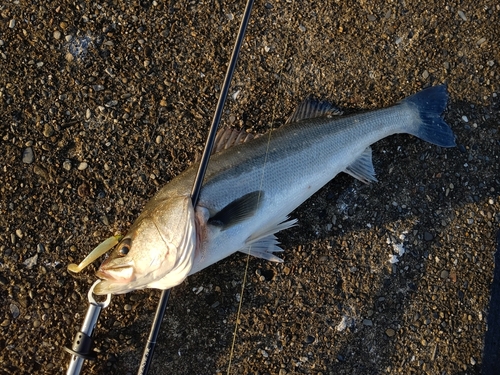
117	274
110	287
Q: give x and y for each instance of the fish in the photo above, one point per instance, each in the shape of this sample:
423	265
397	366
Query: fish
251	188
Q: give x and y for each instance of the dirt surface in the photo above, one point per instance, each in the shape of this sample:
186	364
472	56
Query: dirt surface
101	103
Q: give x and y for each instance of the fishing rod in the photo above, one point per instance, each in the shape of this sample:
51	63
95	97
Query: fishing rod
147	355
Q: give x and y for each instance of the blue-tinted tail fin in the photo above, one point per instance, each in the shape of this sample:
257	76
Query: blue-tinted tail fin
430	103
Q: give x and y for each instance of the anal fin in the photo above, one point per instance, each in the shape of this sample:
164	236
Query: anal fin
264	244
362	168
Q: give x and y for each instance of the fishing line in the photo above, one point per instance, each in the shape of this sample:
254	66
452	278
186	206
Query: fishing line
273	117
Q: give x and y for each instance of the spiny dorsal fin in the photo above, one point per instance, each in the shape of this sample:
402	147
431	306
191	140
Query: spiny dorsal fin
238	210
362	168
312	108
228	137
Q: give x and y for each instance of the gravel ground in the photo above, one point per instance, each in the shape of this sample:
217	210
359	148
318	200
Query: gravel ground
101	103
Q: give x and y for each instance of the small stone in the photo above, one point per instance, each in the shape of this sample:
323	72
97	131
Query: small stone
444	274
428	236
309	339
82	166
367	322
88	113
12	23
462	15
28	156
57	35
104	220
14	310
481	41
36	323
48	130
425	74
127	307
83	190
69	57
158	139
30	262
67	164
465	119
390	332
302	28
42	172
163	103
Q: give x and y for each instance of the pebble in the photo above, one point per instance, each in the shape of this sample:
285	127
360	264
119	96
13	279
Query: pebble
30	262
12	23
104	220
14	310
42	172
367	322
88	113
57	35
28	156
159	138
390	332
462	15
82	166
48	130
127	307
425	74
444	274
428	236
67	164
465	119
83	190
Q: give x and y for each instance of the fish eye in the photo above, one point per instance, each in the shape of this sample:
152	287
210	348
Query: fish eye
125	247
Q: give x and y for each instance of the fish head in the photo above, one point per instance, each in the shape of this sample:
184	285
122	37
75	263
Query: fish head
157	252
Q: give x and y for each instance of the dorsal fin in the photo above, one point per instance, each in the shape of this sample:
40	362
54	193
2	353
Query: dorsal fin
312	108
228	137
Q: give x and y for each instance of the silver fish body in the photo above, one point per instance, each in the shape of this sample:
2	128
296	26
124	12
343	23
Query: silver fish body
250	189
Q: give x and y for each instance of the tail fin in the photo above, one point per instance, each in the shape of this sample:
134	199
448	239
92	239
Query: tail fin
430	103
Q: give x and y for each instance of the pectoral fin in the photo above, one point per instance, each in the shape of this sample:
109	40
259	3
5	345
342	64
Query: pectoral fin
362	168
238	210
